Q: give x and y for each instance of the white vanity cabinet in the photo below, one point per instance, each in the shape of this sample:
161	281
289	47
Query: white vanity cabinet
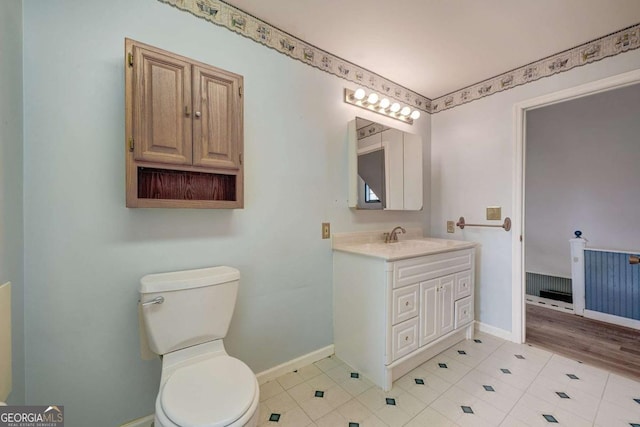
391	316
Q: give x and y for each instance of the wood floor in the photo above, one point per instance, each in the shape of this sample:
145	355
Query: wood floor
611	347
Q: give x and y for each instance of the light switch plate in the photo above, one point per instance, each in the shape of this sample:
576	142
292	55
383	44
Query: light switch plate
450	227
326	230
494	213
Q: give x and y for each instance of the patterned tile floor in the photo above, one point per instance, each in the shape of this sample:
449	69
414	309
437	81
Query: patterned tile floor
481	382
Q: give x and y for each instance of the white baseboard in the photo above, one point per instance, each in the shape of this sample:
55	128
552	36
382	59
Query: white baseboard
292	365
565	307
140	422
610	318
492	330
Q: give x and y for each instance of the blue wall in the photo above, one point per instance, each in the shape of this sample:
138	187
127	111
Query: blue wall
612	285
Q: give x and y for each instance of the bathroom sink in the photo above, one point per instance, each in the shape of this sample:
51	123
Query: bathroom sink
404	248
418	243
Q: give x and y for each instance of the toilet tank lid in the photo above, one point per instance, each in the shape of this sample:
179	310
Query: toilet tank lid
187	279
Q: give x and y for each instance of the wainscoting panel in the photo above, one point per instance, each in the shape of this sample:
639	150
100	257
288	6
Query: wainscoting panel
612	285
541	282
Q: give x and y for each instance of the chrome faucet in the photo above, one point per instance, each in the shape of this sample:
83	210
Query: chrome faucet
393	236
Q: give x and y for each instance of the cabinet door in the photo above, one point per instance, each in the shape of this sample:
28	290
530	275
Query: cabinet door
463	285
464	311
161	102
393	168
404	338
405	303
429	311
412	168
446	317
217	123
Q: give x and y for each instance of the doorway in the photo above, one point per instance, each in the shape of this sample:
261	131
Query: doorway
519	238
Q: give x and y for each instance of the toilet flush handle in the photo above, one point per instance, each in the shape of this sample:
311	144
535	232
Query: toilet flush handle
156	300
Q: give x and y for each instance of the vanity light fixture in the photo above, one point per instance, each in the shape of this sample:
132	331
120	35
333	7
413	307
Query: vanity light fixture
373	98
371	101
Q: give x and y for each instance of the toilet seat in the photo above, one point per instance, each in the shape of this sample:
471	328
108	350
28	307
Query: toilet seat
211	393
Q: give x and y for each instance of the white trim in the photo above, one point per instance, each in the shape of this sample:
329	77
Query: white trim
577	274
565	307
297	363
618	251
492	330
610	318
140	422
621	80
517	222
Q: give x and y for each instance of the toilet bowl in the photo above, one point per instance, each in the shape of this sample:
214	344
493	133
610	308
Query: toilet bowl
203	386
186	314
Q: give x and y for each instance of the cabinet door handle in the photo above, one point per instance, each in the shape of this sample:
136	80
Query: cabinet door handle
186	111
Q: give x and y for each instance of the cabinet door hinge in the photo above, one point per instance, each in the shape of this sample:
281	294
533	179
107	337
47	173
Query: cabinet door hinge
131	144
130	59
240	91
240	157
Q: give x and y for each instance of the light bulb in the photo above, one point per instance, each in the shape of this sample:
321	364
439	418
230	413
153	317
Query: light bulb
373	98
384	104
395	107
415	115
405	111
359	94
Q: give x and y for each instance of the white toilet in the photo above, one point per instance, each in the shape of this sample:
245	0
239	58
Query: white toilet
186	315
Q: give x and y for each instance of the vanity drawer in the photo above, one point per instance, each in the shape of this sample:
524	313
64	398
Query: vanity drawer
406	302
462	285
463	312
404	338
414	270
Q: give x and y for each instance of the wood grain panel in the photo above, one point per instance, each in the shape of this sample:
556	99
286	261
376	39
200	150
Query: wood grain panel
611	347
184	185
162	98
215	132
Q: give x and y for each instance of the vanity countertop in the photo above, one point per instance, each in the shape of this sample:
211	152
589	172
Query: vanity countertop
406	247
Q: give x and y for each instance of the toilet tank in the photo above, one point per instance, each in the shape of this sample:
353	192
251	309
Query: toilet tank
197	306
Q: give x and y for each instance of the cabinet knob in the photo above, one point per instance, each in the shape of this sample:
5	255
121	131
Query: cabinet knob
406	304
406	338
198	114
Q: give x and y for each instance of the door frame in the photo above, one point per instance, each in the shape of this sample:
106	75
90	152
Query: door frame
518	320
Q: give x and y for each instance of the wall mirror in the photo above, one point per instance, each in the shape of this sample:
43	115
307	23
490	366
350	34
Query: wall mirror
385	167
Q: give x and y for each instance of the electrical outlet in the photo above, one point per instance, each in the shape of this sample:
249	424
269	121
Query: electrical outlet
326	230
451	227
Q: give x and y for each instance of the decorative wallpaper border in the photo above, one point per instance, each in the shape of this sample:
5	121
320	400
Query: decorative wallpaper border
595	50
225	15
220	13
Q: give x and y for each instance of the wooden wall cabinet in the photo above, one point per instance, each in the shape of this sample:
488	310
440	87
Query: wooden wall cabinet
184	131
